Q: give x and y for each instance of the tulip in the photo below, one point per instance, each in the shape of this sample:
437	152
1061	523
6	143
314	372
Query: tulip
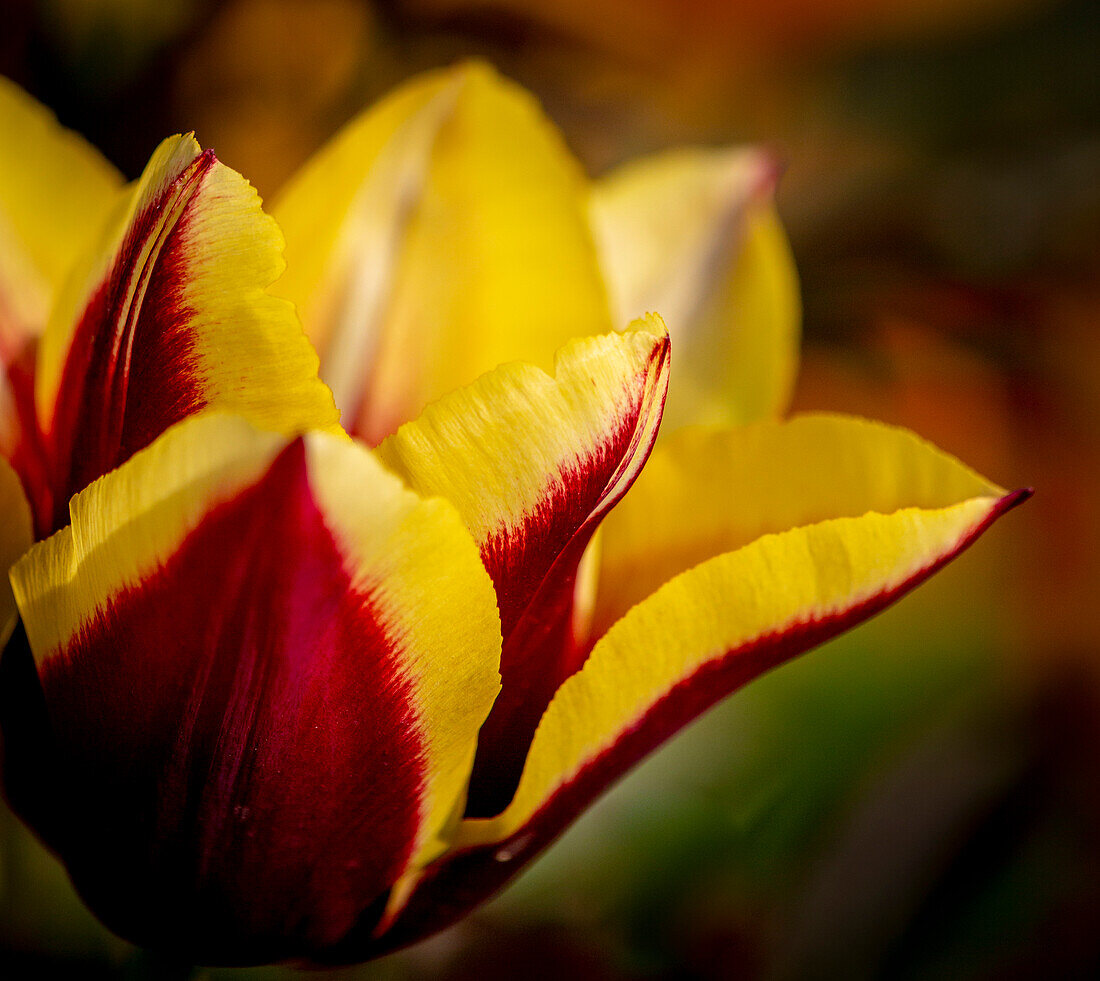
276	695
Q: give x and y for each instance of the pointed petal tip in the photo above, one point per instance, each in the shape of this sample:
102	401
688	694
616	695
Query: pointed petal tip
773	164
763	163
1007	501
651	325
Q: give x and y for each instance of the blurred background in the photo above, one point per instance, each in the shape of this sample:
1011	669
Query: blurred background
921	798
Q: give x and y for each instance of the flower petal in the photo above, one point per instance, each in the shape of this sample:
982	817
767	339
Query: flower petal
717	626
263	703
55	193
170	316
692	234
711	490
442	233
714	628
15	538
533	464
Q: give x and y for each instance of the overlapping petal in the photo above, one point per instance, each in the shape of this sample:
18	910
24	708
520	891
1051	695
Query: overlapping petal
262	705
55	193
533	464
693	235
448	230
875	512
442	233
167	316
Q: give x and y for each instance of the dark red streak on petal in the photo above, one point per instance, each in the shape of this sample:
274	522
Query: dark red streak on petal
519	561
460	881
129	373
21	441
236	741
534	572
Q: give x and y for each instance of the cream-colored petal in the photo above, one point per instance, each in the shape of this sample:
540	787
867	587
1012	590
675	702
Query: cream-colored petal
692	234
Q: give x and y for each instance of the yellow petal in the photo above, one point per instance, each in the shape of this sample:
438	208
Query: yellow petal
169	315
55	193
445	232
692	234
707	632
345	215
711	490
15	538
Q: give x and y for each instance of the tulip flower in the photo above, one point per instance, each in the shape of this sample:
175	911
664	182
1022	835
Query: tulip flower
283	696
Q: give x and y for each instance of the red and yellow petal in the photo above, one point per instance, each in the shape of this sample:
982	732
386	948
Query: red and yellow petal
708	490
693	235
442	233
716	627
167	317
56	191
901	509
264	666
533	463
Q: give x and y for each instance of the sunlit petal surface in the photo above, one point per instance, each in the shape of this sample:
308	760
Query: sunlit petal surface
708	490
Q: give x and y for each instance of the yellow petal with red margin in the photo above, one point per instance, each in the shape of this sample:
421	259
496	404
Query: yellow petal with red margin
15	538
533	463
265	665
700	637
170	316
444	232
902	508
509	449
692	234
711	490
55	193
717	626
